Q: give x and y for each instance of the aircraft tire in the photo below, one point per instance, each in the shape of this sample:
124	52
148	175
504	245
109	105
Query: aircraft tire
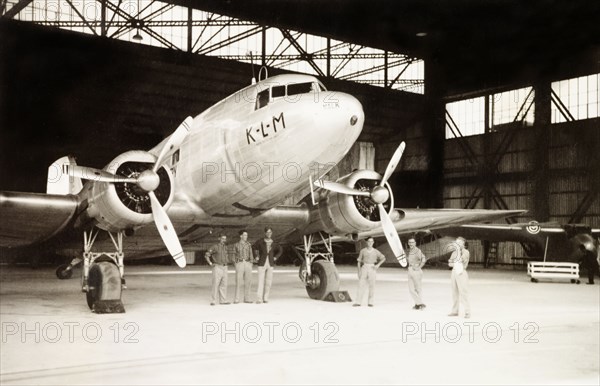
326	280
63	273
104	282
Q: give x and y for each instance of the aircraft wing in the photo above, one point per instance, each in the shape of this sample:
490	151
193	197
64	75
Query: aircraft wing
28	218
522	232
417	220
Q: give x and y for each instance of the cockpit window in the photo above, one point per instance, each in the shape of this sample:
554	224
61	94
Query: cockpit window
278	91
262	99
299	88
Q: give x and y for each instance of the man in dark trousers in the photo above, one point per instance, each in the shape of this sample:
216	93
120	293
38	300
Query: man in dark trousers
590	263
268	251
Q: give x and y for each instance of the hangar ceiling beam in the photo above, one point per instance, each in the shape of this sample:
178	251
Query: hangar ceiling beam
303	54
15	9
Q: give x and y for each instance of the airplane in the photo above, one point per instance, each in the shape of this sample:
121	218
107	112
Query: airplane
228	168
548	241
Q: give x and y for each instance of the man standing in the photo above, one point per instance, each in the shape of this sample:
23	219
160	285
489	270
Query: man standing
459	279
243	267
268	251
416	261
217	258
588	260
369	260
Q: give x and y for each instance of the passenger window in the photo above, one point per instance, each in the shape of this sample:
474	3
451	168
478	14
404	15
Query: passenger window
278	91
262	99
299	88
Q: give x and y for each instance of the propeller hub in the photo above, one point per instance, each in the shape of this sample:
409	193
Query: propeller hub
380	194
148	180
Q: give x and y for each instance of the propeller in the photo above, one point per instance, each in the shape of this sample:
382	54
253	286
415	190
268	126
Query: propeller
148	180
379	194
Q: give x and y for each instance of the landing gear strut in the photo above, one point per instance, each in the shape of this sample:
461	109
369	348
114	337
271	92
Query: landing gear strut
318	272
102	277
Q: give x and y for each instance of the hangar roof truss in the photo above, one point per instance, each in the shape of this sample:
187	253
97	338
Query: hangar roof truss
191	30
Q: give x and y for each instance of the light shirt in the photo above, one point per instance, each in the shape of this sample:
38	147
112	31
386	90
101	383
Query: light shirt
460	258
269	242
416	258
371	256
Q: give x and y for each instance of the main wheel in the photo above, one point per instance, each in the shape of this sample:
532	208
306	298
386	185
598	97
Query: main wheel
64	271
104	281
323	280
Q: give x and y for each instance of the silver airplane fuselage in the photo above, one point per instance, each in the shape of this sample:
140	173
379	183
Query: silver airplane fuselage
241	156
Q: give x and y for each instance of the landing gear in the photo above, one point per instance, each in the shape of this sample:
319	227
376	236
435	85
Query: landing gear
318	272
102	278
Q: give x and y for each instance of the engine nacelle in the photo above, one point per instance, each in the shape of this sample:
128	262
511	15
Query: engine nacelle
343	214
120	206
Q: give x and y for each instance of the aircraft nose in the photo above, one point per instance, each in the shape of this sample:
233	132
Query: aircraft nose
353	113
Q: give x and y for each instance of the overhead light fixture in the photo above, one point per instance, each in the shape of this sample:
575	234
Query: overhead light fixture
138	37
421	34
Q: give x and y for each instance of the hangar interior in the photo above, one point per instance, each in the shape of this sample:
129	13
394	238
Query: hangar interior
505	117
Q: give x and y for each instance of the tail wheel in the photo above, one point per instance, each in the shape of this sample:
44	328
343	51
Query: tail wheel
104	282
64	271
323	280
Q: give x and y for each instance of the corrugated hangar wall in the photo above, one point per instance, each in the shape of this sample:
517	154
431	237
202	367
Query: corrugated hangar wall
552	167
70	93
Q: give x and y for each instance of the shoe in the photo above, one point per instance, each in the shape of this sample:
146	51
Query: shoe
248	301
452	314
212	303
356	305
225	303
236	302
421	306
467	316
265	301
416	307
258	302
592	283
370	305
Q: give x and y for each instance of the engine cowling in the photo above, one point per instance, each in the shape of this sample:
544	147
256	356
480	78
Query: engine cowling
344	214
119	206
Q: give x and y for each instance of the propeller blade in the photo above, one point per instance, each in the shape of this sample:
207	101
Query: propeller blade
93	174
339	188
393	163
174	141
166	230
392	236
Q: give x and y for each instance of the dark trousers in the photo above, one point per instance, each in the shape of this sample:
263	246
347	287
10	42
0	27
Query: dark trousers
592	268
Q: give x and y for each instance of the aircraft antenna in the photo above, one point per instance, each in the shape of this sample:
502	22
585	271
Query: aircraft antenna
266	74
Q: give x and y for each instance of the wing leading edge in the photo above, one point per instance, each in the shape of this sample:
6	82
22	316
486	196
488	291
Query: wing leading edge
29	218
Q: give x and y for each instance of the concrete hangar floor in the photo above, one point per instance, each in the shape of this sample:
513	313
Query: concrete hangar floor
519	333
